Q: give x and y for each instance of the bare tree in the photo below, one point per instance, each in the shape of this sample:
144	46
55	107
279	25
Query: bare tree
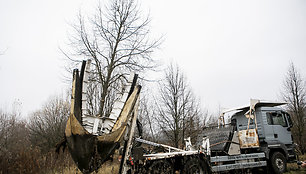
294	92
14	143
10	125
117	39
179	111
147	119
47	124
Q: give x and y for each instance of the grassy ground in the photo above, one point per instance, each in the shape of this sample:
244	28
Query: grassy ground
110	168
107	168
294	169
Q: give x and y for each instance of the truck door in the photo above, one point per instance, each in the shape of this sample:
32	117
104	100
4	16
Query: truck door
280	127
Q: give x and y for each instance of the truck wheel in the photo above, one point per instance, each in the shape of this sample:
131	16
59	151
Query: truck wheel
278	162
160	167
195	166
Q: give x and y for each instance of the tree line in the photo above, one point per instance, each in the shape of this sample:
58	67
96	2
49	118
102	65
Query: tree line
27	144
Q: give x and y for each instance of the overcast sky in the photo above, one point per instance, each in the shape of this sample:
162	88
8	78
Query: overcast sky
230	50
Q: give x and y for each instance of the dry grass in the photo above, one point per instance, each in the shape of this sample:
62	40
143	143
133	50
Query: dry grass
109	167
293	168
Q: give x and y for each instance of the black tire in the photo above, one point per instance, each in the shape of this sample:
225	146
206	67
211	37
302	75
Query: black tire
195	166
278	163
160	167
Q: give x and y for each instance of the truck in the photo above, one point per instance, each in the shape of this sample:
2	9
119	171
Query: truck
248	138
258	136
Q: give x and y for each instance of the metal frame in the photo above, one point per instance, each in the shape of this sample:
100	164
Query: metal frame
246	165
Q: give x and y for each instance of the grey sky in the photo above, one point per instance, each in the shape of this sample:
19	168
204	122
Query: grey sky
230	50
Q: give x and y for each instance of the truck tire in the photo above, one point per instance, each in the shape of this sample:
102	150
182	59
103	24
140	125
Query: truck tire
195	166
278	163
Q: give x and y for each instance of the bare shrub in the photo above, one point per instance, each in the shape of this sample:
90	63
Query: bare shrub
47	125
